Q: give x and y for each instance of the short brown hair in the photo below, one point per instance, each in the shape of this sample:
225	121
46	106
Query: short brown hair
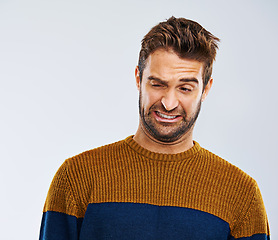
188	39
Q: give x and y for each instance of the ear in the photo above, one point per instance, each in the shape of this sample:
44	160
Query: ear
206	90
137	77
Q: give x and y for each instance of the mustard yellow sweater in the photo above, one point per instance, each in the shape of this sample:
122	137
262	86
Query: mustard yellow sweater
123	191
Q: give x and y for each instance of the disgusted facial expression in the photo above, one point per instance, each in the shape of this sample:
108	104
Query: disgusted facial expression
171	92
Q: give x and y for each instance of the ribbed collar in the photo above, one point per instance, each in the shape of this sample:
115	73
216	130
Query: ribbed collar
161	156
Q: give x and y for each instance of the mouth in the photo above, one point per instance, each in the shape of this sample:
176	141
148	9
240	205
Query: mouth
162	117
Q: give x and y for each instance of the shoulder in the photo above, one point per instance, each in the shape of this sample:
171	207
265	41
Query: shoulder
87	164
219	164
77	174
95	154
230	186
228	174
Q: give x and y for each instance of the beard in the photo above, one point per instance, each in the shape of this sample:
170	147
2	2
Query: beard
167	132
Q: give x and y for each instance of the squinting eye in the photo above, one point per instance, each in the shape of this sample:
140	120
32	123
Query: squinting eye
185	89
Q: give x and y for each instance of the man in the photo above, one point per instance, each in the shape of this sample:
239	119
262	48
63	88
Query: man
159	183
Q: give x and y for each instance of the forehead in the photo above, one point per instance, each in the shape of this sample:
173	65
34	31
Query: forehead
169	66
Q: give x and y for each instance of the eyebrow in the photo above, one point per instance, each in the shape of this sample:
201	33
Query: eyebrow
181	80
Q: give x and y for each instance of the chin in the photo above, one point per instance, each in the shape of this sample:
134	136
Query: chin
167	138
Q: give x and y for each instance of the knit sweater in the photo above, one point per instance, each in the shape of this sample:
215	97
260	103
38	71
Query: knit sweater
123	191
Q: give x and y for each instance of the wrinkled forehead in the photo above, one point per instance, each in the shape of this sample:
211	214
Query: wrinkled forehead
168	65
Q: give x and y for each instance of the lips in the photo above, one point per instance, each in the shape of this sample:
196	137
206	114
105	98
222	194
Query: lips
166	116
163	117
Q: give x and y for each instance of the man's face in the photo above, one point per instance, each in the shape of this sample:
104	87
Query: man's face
170	96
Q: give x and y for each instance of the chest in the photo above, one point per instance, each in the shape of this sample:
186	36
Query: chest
119	220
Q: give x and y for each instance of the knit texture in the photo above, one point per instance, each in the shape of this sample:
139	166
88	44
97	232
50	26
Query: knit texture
124	172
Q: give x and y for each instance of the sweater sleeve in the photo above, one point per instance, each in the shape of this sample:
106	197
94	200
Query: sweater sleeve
254	224
60	220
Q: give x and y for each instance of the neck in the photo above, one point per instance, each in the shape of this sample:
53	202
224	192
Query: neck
150	143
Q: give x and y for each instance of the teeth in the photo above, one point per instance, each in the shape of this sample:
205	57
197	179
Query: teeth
165	116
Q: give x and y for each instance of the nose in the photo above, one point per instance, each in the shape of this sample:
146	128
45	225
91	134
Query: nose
170	101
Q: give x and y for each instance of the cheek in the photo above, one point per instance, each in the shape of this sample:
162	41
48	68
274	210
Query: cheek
190	104
148	98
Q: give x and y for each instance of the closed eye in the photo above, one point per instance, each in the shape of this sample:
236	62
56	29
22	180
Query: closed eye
157	85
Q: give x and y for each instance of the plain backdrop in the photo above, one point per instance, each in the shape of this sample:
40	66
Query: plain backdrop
67	85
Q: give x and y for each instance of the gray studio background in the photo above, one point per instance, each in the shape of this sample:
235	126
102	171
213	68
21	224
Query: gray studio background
67	85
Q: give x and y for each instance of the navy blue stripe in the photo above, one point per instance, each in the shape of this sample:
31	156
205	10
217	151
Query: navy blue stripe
59	226
125	221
